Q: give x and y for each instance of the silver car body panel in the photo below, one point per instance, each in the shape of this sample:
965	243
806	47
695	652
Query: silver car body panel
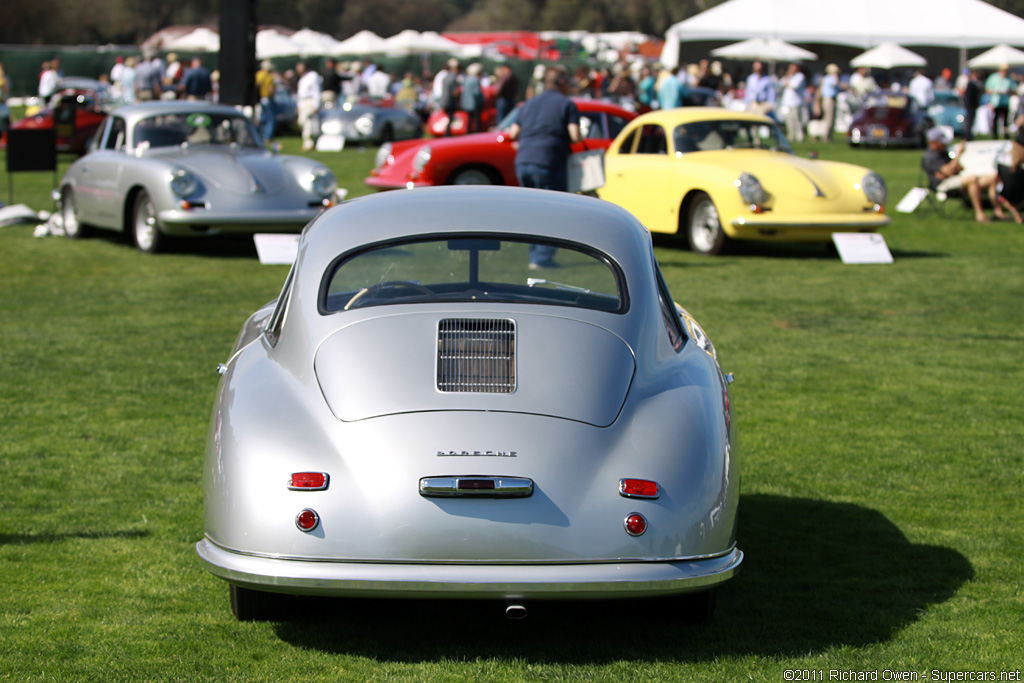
600	396
240	188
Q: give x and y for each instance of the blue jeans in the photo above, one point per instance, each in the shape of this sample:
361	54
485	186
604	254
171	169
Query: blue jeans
542	178
268	116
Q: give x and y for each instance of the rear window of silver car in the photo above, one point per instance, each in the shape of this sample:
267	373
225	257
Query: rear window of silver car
474	269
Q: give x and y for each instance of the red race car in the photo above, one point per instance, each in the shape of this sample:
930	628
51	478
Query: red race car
482	158
78	109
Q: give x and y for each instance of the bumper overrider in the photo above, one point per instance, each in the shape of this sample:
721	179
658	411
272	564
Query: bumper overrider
585	580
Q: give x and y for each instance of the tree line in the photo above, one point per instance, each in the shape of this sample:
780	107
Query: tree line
129	22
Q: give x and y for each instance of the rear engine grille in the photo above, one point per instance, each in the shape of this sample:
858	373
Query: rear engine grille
476	355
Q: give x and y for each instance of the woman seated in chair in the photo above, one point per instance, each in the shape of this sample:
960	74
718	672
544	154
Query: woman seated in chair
939	164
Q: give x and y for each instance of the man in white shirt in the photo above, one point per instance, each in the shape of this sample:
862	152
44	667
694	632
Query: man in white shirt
308	102
921	89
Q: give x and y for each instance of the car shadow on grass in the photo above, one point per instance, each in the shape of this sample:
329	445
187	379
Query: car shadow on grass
816	575
806	251
45	538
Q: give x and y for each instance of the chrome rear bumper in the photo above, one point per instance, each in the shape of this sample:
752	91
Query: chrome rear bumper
631	579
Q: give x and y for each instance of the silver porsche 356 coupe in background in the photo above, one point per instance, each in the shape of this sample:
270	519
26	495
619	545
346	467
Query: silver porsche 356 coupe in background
423	414
188	168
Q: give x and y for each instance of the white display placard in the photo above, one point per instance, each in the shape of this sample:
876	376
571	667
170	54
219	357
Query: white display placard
861	247
330	143
276	249
912	200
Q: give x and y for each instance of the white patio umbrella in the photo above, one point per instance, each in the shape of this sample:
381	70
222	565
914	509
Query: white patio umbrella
363	43
312	42
200	40
888	56
410	41
995	57
271	43
765	49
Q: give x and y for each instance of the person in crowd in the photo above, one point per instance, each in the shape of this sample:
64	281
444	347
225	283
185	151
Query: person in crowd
536	84
172	74
943	81
471	100
47	80
407	95
794	87
646	92
547	125
351	83
307	102
507	90
5	84
999	87
117	73
939	165
128	79
759	94
921	89
265	87
669	90
197	83
861	83
972	91
148	79
828	91
622	89
450	93
330	81
378	83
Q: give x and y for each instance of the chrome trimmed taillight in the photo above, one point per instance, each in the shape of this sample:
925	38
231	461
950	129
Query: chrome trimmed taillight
639	488
307	520
309	481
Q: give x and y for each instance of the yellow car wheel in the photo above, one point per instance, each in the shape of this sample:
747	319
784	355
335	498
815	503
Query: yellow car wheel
704	229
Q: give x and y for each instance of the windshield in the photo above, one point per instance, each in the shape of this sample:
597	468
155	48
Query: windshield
475	269
705	136
194	128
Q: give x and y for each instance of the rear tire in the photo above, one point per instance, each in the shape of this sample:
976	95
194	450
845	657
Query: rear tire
145	229
703	227
73	229
471	176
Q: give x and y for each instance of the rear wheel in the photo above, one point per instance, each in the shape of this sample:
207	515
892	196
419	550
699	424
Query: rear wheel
73	229
704	229
145	229
472	176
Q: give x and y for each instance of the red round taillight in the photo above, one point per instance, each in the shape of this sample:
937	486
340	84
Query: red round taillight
635	524
307	520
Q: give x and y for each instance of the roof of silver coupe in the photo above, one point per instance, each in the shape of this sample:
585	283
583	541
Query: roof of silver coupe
473	209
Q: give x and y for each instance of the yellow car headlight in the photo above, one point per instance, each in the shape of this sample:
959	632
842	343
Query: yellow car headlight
750	190
874	188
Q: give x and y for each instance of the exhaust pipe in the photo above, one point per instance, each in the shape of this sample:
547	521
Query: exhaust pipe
514	610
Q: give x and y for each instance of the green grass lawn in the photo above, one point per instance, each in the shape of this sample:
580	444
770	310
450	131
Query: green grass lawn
880	425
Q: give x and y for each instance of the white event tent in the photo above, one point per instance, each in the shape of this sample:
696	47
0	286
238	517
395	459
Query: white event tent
950	23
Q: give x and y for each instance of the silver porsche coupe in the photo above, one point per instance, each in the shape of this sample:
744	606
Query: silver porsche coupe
428	411
188	168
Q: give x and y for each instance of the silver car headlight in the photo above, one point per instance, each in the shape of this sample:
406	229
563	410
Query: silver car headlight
364	124
321	182
330	126
383	154
183	183
421	159
874	188
750	190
